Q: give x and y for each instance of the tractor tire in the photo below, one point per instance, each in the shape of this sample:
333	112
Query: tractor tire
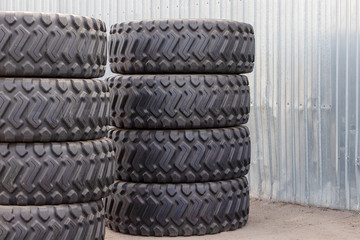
179	101
49	222
182	46
177	209
48	110
56	173
179	156
51	45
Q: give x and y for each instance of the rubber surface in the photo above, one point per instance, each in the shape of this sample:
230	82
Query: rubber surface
60	222
178	209
179	101
52	45
43	110
55	173
169	156
182	46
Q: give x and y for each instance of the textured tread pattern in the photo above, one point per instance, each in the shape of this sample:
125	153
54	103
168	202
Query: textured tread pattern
179	101
42	110
49	222
182	46
178	209
52	45
169	156
55	173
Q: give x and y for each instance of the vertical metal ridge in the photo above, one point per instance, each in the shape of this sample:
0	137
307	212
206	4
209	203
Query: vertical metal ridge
261	158
337	152
279	108
306	55
318	60
357	143
293	104
346	157
255	104
268	109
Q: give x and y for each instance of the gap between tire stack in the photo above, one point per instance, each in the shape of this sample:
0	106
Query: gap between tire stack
56	162
181	149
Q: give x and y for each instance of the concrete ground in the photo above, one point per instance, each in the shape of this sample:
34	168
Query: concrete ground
271	220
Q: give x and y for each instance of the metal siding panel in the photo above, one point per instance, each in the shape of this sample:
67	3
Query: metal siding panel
304	89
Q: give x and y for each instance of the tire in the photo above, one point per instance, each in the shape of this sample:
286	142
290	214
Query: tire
179	101
43	110
60	222
55	173
182	46
175	156
177	209
51	45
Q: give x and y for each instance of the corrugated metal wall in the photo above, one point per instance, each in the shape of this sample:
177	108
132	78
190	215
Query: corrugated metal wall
305	88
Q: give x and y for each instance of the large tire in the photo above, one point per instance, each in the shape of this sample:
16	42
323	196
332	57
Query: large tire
178	209
182	46
43	110
51	45
60	222
179	101
173	156
55	173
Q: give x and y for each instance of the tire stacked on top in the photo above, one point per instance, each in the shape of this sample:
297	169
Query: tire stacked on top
56	163
181	152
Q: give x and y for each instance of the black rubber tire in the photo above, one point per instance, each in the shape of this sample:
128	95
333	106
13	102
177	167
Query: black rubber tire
177	209
60	222
179	101
52	45
182	46
174	156
56	173
43	110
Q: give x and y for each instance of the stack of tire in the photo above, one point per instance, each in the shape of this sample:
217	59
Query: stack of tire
178	108
56	163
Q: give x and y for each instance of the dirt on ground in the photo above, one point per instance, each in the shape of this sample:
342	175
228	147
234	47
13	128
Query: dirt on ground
274	220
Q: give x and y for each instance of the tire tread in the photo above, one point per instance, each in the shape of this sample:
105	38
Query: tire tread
44	110
173	156
52	45
179	101
177	209
182	46
56	173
